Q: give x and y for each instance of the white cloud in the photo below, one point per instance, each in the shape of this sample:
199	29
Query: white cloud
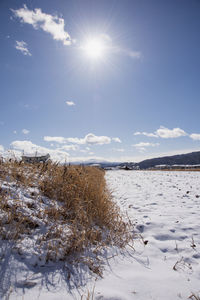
22	47
61	156
15	131
76	141
1	149
164	133
117	140
70	103
84	151
51	24
143	144
146	134
138	133
93	139
30	148
127	52
57	139
195	136
119	149
25	131
69	148
90	139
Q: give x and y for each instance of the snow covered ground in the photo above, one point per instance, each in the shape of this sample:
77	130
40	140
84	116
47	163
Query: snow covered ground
166	207
165	261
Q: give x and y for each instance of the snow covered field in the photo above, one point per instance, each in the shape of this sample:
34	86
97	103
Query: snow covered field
165	261
166	207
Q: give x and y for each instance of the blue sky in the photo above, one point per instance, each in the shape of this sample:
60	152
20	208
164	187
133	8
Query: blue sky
114	80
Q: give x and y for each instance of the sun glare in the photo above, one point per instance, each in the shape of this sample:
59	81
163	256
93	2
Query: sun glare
94	48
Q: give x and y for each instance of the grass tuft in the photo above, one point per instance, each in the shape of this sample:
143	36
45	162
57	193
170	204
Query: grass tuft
72	203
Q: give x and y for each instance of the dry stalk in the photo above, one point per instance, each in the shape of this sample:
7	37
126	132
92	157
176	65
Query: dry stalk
78	200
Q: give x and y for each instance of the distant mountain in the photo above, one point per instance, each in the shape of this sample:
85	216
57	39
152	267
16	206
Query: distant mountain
97	162
192	158
102	164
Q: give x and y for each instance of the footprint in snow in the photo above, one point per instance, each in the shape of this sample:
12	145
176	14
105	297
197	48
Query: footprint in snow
168	237
140	228
196	256
26	284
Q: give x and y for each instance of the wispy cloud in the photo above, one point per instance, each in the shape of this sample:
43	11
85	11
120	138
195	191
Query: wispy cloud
90	139
130	53
164	133
1	149
22	47
119	149
48	23
70	103
142	146
25	131
146	134
195	136
84	151
116	139
69	148
121	50
57	139
134	54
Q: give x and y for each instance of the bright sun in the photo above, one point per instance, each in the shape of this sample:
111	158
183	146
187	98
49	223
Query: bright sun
94	48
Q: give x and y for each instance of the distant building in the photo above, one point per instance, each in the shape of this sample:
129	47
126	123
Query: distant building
176	167
128	167
35	159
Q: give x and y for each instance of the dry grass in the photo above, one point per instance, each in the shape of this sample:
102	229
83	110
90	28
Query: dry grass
80	212
89	296
194	297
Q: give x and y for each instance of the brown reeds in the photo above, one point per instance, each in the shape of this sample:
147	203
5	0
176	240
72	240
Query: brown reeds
80	210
